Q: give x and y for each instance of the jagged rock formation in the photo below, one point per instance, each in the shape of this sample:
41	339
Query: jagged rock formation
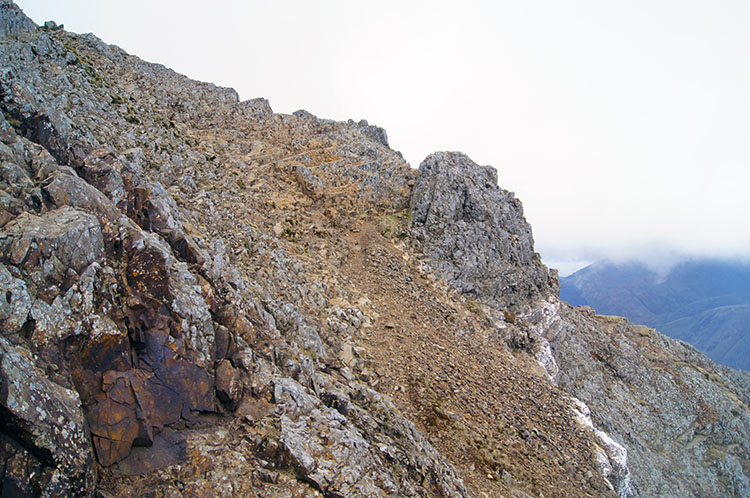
199	297
475	233
458	207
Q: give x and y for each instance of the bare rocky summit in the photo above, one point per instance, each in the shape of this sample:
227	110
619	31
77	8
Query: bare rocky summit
200	297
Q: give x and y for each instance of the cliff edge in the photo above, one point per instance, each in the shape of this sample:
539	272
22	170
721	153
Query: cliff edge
201	297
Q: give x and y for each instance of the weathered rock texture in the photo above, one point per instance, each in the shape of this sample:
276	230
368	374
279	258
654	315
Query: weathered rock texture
475	234
683	419
199	297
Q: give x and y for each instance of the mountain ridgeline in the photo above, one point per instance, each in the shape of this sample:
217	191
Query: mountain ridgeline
703	302
201	297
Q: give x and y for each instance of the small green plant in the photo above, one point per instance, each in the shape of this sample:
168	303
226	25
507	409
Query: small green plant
95	78
291	231
131	117
395	226
76	57
473	306
13	121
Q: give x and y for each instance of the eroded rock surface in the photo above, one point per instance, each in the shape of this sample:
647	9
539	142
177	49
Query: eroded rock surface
200	297
682	418
474	232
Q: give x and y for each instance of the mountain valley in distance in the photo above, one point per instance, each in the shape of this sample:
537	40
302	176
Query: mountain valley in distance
704	302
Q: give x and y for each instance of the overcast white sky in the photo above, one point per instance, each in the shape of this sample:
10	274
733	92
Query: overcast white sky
624	127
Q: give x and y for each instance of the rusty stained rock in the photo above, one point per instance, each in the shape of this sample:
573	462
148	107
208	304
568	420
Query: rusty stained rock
107	352
228	383
240	323
147	272
112	420
137	383
132	406
162	289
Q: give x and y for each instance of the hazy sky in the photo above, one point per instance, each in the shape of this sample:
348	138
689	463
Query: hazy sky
624	127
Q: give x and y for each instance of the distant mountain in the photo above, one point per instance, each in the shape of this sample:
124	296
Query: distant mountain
703	302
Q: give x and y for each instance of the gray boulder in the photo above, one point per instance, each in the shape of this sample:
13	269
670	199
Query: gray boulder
13	22
474	232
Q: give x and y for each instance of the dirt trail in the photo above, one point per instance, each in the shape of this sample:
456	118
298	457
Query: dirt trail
447	369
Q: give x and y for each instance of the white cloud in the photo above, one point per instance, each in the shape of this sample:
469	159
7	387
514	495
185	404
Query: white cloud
622	126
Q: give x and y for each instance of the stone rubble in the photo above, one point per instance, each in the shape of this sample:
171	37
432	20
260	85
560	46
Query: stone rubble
200	297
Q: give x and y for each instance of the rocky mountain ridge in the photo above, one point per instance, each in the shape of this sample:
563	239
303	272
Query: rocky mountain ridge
204	298
702	301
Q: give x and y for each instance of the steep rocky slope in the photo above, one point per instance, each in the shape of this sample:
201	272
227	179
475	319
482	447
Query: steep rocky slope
702	301
683	419
199	297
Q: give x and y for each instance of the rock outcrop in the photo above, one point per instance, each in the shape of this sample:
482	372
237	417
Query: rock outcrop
475	234
200	297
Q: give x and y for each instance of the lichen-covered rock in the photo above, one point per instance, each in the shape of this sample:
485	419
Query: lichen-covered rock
46	421
474	232
52	249
353	454
15	302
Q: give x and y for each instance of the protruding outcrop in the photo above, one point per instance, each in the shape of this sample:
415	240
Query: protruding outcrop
13	22
474	232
